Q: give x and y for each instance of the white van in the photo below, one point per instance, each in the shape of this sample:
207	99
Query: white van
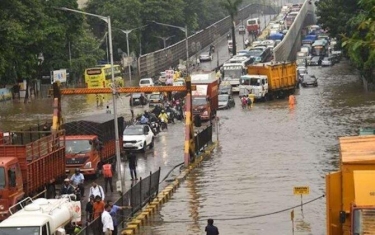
146	82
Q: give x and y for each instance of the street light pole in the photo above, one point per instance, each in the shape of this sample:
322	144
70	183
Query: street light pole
107	19
164	39
189	132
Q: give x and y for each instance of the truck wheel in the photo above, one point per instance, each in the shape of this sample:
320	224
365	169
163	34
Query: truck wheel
144	147
152	143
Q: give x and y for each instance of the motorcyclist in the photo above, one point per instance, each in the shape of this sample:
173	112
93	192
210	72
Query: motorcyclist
67	188
212	48
164	118
144	118
77	180
153	118
169	110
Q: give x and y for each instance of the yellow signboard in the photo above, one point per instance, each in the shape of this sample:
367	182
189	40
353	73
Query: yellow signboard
301	190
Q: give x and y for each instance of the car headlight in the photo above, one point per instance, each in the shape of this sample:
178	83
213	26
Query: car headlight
87	165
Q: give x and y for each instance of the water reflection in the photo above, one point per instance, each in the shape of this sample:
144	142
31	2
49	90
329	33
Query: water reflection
193	203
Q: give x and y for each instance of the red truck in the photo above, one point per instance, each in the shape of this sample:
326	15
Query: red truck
205	97
31	164
90	143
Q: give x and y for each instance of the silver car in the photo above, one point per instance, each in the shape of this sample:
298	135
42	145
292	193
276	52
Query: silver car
327	61
204	56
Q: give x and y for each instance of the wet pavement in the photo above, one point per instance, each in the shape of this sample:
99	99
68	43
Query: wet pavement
264	153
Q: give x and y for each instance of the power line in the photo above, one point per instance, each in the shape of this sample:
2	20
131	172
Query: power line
243	217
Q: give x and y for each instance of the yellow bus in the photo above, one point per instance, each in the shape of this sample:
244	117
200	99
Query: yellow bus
100	76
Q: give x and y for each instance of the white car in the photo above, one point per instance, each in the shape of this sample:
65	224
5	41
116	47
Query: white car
146	82
138	137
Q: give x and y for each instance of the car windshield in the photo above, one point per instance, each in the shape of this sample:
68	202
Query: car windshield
315	59
77	146
205	54
232	74
326	59
20	230
199	101
155	97
146	81
223	98
256	52
136	95
134	130
308	78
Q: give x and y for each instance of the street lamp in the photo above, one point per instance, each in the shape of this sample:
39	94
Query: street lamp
107	19
189	132
127	45
165	39
185	30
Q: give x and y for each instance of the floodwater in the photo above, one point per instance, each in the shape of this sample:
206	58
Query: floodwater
263	154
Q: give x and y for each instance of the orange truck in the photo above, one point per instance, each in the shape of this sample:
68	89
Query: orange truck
350	192
31	164
90	143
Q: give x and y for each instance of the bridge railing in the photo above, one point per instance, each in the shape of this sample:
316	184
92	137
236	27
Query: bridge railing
152	63
282	51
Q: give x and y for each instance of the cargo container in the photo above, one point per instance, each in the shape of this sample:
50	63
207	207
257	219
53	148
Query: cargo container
350	192
31	164
269	80
205	97
90	143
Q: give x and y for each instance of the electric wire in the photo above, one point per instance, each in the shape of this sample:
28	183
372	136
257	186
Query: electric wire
243	217
171	172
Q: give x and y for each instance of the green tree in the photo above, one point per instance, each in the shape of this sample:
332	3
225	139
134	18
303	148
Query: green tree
231	6
361	44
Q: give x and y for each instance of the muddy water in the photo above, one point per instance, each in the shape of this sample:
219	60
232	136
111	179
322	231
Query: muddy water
264	153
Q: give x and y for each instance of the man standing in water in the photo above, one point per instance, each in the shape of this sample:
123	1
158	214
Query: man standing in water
211	229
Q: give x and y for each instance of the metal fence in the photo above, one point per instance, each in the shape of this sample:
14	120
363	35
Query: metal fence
152	63
136	197
284	50
203	138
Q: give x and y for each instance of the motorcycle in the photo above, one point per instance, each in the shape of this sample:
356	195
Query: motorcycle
180	112
171	116
155	127
163	125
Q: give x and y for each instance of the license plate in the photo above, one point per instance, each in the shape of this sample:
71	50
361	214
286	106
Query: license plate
136	99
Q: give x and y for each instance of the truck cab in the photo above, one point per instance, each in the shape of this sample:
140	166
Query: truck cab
350	192
254	84
83	152
11	184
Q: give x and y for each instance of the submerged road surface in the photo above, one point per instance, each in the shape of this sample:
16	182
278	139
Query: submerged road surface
263	154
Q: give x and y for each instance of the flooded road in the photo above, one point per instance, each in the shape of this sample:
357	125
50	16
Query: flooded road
264	153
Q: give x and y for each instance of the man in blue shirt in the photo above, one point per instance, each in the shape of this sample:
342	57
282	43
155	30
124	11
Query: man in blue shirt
113	213
77	180
210	228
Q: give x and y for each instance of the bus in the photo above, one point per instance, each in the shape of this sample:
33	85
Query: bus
260	53
319	48
100	76
253	26
234	68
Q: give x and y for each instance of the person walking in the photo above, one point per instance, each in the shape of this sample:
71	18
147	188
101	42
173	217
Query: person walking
108	173
132	158
113	213
211	229
198	62
77	180
96	190
90	209
98	207
107	220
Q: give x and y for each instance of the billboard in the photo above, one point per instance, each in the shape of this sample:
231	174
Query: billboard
59	75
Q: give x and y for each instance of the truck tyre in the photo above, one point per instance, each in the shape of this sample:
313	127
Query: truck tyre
152	143
144	147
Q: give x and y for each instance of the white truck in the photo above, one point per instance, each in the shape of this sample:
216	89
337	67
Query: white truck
43	217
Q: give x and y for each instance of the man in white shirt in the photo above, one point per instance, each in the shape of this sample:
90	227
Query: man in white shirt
77	180
96	190
107	220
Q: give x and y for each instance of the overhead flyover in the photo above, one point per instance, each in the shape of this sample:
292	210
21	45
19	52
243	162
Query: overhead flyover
287	49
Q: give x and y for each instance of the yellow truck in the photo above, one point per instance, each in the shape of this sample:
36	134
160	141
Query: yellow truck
350	192
269	80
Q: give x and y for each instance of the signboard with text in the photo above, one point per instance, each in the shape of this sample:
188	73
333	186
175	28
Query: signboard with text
301	190
59	75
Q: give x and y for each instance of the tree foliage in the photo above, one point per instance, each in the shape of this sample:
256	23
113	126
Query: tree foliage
231	6
31	27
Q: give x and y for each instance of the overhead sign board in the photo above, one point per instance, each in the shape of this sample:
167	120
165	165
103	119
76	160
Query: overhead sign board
59	75
301	190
